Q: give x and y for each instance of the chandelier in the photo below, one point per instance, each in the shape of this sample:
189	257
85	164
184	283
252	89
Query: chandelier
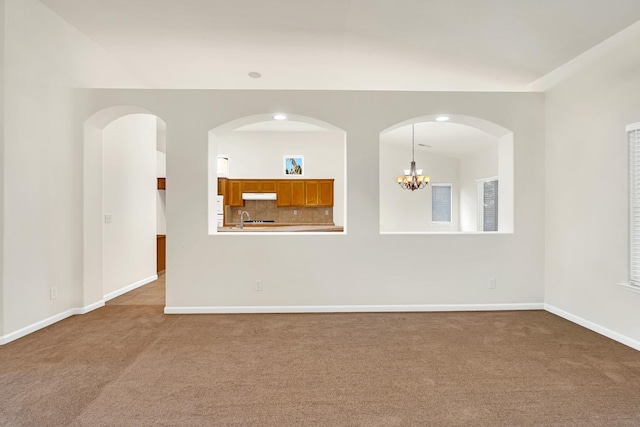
413	178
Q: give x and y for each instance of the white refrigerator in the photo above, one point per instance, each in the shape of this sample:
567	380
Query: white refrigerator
220	211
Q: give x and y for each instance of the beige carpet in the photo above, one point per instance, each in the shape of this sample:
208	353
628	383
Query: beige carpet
131	365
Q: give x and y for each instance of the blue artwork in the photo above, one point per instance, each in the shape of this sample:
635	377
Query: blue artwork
293	165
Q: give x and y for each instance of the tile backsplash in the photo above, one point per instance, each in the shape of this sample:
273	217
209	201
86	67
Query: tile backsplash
267	210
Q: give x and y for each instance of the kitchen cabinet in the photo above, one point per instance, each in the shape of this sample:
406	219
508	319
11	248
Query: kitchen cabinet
259	186
222	186
268	186
233	193
283	193
297	193
289	192
161	250
162	183
311	193
250	186
325	192
318	192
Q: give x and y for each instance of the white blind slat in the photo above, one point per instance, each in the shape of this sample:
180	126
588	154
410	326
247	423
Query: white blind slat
490	206
441	203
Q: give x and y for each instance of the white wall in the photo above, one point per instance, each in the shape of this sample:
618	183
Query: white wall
44	59
129	187
161	195
2	101
587	208
410	211
479	165
260	155
361	267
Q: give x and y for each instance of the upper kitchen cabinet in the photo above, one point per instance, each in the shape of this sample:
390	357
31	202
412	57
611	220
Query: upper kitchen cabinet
325	192
259	186
233	193
284	193
319	192
222	186
311	193
308	192
290	192
297	193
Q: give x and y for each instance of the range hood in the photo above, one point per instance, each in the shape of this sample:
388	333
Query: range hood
258	196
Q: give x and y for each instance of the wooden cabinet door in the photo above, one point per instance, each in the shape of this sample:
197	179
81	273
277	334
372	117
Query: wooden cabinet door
283	197
222	186
267	186
311	193
325	193
297	193
161	252
251	186
235	193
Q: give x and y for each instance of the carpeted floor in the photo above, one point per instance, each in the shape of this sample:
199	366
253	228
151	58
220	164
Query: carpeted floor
128	364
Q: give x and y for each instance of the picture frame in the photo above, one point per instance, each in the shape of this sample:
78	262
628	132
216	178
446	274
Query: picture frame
293	165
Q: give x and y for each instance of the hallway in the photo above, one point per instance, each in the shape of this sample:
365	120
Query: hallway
150	294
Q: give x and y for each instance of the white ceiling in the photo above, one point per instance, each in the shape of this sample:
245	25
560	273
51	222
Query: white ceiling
448	139
346	44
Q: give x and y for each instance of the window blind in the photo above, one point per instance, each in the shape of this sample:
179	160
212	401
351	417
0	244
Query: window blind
634	203
490	206
441	203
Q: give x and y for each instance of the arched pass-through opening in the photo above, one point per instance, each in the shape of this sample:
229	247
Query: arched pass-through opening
94	216
284	176
470	163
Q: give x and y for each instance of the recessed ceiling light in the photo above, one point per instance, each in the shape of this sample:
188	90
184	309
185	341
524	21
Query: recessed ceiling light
279	116
255	75
442	119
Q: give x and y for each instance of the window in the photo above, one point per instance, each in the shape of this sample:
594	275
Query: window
441	204
223	165
488	204
634	203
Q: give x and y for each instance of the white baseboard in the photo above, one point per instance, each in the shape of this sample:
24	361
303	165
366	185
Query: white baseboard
623	339
4	339
635	344
350	308
122	291
90	307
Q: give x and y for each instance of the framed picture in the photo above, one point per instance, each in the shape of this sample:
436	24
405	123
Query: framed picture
294	164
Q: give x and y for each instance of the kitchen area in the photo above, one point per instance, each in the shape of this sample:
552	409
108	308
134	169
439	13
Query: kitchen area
260	187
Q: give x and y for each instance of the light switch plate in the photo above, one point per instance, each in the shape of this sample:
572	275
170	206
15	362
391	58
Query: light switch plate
108	218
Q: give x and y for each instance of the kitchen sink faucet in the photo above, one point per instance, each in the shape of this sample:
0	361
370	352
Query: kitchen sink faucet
242	218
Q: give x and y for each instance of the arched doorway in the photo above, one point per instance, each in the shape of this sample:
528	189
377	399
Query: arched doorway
112	211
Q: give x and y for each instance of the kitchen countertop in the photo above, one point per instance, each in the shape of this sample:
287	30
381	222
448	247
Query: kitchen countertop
281	228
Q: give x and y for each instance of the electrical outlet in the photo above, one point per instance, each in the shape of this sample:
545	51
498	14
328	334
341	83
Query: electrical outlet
53	293
258	285
239	211
326	212
295	212
492	283
108	218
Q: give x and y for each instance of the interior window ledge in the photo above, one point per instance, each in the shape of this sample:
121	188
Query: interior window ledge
630	287
448	233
